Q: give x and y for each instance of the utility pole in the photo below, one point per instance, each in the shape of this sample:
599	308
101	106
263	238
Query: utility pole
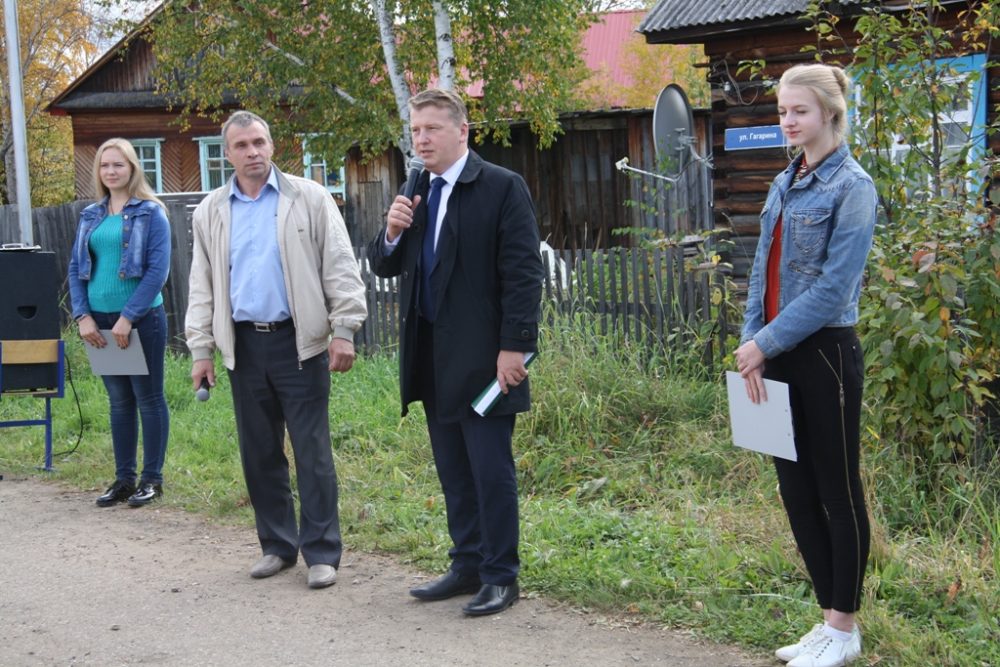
17	121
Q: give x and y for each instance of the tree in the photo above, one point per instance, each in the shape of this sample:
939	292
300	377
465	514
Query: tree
55	47
930	310
649	67
343	70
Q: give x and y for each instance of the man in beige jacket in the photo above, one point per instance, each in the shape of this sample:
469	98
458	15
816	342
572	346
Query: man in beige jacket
275	288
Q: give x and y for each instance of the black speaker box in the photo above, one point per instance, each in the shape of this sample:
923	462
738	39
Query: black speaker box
29	310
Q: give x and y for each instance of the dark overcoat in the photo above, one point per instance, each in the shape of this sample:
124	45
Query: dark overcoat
487	281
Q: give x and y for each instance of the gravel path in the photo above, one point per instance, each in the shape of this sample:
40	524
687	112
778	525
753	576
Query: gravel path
81	585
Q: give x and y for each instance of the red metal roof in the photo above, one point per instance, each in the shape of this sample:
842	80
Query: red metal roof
604	42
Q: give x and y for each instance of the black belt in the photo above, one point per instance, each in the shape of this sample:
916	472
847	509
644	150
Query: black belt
266	327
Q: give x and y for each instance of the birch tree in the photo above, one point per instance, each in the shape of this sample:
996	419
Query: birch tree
341	72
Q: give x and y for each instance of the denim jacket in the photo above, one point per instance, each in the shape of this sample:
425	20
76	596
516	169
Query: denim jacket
145	254
828	220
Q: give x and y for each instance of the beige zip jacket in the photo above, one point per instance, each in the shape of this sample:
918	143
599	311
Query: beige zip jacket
322	279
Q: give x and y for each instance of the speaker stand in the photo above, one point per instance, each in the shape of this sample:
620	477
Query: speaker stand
47	394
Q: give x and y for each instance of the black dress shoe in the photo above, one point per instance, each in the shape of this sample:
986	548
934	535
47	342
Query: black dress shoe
116	493
145	494
492	599
448	586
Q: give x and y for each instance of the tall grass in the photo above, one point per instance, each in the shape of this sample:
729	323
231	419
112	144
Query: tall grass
634	501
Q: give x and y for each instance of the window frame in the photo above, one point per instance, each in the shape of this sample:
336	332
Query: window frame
309	162
154	143
204	144
973	118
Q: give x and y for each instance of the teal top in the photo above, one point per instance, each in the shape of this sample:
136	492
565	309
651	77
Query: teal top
106	290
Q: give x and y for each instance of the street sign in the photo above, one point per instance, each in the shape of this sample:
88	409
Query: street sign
747	138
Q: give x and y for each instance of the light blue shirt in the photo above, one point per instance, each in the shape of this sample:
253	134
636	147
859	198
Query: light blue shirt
256	279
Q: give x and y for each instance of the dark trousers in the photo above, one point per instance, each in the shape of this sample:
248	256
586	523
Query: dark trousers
142	395
822	491
475	465
272	391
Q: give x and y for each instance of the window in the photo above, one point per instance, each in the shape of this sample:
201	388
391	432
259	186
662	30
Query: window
962	122
148	151
316	170
215	169
965	117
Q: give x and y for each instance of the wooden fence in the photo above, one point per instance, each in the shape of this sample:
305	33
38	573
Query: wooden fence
651	298
647	297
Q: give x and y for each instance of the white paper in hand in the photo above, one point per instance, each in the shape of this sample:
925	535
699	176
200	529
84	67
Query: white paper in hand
764	427
112	360
491	394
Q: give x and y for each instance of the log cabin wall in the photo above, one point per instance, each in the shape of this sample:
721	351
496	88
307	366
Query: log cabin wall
741	178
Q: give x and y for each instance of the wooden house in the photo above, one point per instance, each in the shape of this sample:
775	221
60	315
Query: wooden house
579	195
773	31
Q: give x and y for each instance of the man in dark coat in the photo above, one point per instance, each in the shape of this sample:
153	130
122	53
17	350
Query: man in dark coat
470	291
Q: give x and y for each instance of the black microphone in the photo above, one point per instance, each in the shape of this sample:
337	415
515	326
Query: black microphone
202	393
416	167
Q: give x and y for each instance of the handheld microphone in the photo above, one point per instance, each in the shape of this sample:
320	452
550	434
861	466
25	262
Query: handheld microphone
203	391
416	167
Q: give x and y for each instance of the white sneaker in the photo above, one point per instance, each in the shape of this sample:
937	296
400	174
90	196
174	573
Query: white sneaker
829	652
792	651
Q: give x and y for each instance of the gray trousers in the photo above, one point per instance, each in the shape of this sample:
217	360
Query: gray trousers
271	391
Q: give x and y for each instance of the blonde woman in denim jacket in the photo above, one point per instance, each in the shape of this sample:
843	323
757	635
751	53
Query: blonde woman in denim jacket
816	232
117	269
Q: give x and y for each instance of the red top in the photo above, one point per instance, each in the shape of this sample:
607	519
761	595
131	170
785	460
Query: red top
773	286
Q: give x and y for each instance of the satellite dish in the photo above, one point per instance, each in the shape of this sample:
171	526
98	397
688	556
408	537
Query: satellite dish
673	124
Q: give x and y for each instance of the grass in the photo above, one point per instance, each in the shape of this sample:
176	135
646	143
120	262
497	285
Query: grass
634	502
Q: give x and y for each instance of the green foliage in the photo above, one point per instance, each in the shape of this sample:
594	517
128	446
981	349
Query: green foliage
671	300
319	66
633	501
55	45
929	313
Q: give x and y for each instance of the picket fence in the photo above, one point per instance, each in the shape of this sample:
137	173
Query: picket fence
655	298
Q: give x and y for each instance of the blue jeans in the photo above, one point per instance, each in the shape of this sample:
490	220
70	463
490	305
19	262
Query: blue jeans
133	395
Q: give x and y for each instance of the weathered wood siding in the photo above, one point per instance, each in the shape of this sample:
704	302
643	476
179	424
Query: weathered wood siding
741	178
371	186
179	159
581	197
128	71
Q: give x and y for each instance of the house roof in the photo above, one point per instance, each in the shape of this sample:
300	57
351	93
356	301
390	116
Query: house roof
603	51
672	19
689	21
66	100
604	44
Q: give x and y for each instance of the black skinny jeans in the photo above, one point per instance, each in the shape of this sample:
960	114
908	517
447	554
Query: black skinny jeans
822	491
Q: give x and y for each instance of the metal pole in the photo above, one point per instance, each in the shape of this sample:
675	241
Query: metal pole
17	121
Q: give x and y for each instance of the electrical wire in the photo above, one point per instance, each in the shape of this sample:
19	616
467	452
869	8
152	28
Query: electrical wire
731	88
79	410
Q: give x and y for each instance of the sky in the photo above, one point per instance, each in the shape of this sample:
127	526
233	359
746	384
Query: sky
107	14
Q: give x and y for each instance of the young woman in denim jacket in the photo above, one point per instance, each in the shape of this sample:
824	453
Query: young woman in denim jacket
117	269
816	232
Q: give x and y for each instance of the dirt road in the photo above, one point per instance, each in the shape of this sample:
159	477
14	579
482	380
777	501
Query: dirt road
81	585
